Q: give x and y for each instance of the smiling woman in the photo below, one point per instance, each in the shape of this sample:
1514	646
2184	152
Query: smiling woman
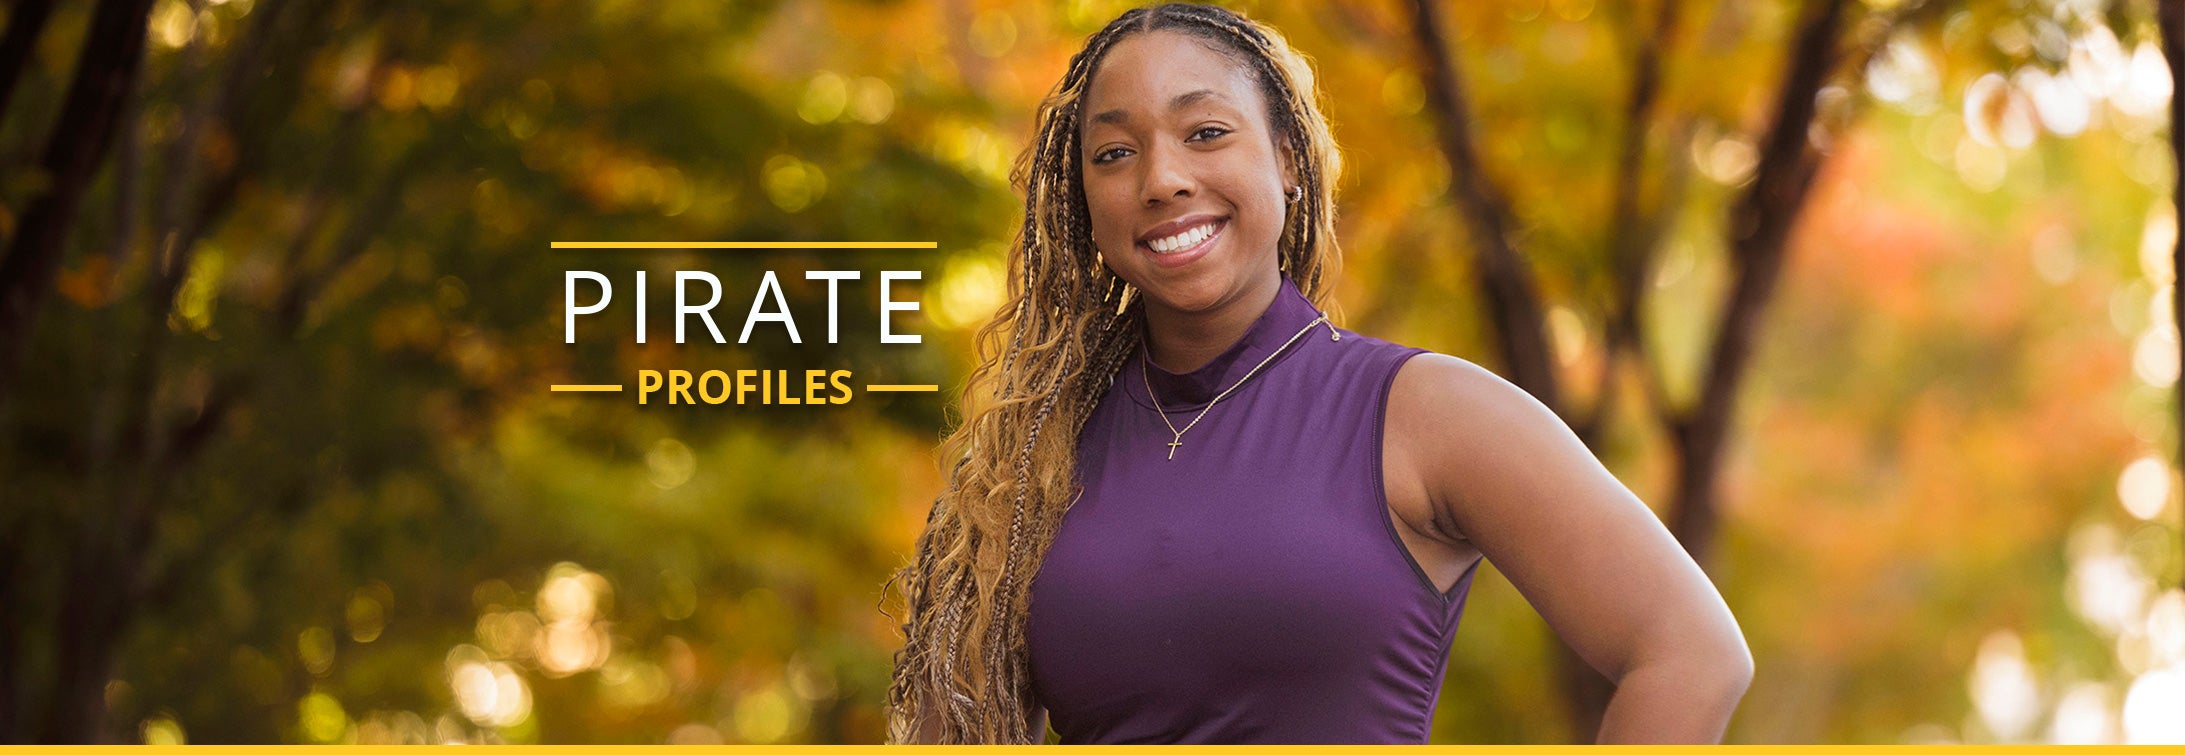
1295	570
1182	159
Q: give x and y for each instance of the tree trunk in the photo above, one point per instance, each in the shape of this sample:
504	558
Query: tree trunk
12	720
85	658
1760	226
111	547
105	72
25	22
1506	283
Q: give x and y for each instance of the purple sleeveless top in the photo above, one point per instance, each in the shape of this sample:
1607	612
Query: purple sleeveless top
1253	589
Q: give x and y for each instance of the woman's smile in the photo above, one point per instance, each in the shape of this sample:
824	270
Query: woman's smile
1179	242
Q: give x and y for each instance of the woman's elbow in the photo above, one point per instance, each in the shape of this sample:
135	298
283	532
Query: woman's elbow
1730	670
1721	658
1717	669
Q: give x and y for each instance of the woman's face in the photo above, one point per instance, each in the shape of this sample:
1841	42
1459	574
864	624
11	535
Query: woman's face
1182	178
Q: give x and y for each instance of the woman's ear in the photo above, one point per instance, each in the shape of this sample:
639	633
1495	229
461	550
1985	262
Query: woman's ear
1288	164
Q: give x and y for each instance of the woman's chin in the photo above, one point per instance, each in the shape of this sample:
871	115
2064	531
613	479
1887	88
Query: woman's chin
1192	296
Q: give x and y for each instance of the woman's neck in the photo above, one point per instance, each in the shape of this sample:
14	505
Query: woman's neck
1181	342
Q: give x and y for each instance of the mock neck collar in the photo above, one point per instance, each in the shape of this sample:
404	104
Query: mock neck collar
1283	318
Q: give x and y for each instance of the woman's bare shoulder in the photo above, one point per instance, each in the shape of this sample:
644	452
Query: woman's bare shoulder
1432	388
1457	430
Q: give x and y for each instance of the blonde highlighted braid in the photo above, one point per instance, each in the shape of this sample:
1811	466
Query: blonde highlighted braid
1044	361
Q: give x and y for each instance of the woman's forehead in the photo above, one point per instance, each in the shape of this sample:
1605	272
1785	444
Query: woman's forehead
1150	75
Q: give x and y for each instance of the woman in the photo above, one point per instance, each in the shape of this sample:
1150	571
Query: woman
1191	509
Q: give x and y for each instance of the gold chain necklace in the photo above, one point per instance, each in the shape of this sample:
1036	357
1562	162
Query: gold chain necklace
1178	441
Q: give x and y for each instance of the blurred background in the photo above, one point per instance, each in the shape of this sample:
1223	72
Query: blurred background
1872	300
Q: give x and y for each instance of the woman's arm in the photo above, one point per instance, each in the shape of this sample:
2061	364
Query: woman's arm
929	725
1504	473
927	730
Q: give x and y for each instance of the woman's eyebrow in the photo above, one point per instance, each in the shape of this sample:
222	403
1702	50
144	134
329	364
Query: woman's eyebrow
1179	102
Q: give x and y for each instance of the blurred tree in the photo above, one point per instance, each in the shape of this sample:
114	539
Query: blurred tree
1759	230
340	290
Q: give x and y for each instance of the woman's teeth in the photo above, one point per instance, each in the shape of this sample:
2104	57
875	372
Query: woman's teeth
1182	241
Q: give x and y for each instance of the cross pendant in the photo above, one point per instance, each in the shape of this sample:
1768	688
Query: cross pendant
1172	446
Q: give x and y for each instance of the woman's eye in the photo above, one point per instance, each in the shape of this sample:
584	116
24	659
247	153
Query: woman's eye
1105	155
1218	131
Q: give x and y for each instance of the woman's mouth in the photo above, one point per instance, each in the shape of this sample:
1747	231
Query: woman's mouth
1184	246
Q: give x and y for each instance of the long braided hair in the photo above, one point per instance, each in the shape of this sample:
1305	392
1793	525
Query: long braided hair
1045	359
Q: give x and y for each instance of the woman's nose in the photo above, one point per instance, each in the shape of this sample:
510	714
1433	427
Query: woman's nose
1167	176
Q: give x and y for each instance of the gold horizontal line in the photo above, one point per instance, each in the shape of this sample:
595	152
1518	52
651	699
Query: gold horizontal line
888	388
746	245
561	387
